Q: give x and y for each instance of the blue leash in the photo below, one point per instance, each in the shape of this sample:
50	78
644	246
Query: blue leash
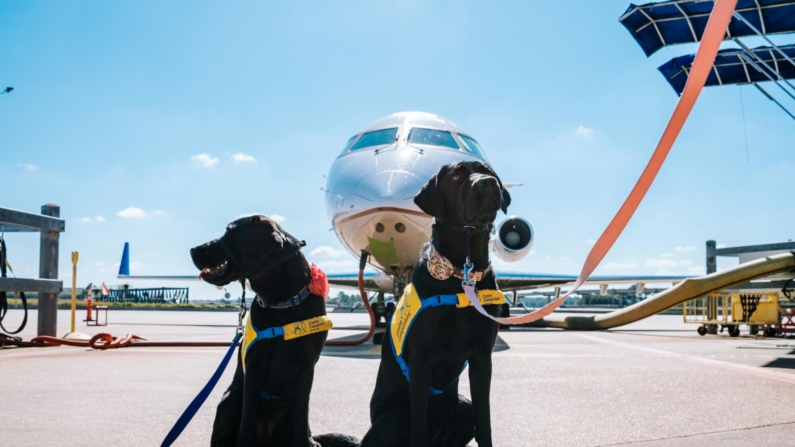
197	402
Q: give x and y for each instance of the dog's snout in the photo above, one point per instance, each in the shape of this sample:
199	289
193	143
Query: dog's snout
487	182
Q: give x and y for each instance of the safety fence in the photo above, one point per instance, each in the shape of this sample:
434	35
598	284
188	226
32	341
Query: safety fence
178	295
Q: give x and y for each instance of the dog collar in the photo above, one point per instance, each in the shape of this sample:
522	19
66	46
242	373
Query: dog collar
318	285
441	268
289	302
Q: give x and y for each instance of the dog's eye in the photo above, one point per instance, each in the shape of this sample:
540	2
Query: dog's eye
456	177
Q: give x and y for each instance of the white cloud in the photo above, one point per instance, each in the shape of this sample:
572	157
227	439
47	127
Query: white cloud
685	249
327	252
29	167
275	217
667	263
619	266
661	263
584	132
589	242
339	266
132	213
243	158
98	219
205	160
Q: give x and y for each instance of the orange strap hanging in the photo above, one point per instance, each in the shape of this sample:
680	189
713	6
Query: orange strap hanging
705	57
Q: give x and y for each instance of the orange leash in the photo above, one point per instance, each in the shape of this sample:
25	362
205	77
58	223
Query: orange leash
705	57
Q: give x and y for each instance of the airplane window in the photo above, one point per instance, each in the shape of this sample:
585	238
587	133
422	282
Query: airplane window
349	144
376	138
432	137
472	146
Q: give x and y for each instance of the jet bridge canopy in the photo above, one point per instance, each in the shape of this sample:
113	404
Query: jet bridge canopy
734	66
655	25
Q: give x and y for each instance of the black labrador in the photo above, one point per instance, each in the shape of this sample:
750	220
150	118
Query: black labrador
427	410
267	403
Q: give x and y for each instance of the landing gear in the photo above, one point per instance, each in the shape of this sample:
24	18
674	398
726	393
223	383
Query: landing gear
380	311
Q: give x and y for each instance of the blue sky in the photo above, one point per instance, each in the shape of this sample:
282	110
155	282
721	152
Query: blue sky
147	107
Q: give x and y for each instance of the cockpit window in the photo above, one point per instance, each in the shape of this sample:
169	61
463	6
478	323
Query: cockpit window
432	137
349	144
376	138
472	146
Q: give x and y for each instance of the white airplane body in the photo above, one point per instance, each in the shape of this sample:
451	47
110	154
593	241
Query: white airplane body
369	199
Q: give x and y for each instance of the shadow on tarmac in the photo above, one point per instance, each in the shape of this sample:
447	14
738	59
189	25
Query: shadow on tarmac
370	350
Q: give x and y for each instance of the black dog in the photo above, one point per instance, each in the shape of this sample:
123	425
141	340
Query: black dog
267	403
416	400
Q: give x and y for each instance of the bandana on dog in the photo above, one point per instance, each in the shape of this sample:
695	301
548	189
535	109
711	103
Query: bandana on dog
441	268
319	283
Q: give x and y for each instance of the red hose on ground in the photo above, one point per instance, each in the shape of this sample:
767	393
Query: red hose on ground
369	311
104	340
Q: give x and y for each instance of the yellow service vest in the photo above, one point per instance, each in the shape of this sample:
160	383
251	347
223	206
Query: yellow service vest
288	331
410	305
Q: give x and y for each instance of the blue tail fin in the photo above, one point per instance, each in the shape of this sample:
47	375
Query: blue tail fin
124	268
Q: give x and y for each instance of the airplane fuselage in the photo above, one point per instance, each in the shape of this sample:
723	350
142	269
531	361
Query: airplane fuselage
371	186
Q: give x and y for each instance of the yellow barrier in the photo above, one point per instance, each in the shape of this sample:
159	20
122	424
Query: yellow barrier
74	288
686	290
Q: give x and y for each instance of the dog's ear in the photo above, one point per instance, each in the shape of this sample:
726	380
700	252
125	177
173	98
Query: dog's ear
506	199
429	199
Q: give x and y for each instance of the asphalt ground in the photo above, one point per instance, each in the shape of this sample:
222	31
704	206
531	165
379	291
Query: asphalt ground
651	383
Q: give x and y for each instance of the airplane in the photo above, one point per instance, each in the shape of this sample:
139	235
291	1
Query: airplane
369	200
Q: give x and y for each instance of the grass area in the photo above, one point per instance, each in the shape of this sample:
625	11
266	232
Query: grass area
12	303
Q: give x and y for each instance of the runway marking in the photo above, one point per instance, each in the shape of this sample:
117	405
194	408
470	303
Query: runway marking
736	367
696	434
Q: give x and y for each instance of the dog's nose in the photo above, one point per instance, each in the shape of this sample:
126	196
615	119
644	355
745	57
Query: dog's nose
487	182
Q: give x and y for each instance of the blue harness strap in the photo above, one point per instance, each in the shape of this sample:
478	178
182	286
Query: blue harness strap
197	402
434	301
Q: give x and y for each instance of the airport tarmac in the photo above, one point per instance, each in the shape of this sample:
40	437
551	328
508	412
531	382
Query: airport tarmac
651	383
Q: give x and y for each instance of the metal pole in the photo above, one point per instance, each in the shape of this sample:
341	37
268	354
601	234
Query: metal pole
739	16
759	69
48	269
712	305
761	61
774	100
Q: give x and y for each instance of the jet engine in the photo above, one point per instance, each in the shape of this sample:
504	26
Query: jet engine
514	239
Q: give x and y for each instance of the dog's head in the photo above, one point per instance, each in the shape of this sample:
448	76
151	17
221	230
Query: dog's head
250	247
466	193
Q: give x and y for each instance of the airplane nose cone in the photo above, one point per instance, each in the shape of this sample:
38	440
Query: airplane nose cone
389	185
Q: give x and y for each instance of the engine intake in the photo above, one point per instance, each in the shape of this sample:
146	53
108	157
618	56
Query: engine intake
514	239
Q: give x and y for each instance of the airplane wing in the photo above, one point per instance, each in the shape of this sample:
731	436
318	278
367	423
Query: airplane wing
506	281
124	270
522	281
373	281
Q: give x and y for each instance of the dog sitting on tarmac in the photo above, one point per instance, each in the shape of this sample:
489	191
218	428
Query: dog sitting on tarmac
435	331
267	403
